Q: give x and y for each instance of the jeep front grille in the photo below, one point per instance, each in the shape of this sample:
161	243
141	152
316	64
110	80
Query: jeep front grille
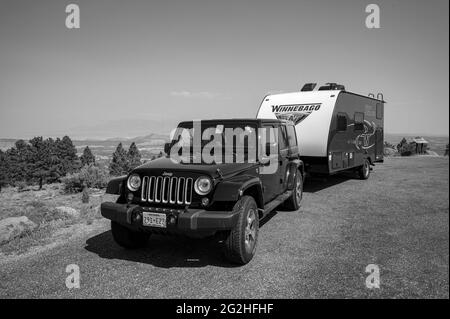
164	189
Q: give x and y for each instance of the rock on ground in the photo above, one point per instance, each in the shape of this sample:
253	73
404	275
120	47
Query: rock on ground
68	211
13	227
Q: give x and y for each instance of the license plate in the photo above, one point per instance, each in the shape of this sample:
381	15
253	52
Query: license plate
154	219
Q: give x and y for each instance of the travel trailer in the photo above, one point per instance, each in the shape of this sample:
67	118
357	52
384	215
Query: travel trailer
336	130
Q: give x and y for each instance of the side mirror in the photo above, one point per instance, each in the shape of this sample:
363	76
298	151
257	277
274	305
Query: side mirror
167	147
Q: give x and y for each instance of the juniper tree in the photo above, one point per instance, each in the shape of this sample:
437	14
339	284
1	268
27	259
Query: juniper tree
119	163
87	158
133	156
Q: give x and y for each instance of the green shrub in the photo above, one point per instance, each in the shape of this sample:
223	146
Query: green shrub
90	176
21	186
85	196
406	149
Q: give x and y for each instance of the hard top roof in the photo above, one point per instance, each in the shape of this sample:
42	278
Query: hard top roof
240	120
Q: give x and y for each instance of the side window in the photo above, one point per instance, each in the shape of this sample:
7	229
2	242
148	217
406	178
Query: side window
267	135
359	121
292	137
292	140
379	111
341	122
282	138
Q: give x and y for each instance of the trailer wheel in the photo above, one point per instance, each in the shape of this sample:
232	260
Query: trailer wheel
364	170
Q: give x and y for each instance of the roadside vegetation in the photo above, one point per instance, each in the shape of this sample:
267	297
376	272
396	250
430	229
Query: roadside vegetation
46	187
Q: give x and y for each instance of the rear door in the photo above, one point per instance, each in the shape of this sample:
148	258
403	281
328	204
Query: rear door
270	176
284	153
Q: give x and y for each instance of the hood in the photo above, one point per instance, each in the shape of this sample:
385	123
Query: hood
166	164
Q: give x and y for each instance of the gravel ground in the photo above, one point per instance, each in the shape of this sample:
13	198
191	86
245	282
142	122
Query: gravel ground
398	220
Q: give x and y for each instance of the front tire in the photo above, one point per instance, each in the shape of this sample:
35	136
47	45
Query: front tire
127	238
364	170
240	244
293	202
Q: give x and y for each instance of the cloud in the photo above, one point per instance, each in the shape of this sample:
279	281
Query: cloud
194	95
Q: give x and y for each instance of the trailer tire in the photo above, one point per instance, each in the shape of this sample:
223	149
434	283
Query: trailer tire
127	238
293	202
240	243
364	170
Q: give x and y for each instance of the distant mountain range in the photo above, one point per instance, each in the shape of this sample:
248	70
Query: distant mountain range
151	144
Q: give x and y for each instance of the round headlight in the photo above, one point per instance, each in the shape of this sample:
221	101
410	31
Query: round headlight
134	182
203	185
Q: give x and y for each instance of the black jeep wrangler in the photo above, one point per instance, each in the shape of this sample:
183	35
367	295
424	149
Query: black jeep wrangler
226	197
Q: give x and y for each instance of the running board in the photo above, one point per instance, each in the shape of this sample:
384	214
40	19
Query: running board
270	206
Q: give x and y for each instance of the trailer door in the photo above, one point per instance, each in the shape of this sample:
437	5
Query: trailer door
379	144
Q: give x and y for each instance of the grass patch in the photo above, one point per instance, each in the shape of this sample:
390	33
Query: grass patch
40	206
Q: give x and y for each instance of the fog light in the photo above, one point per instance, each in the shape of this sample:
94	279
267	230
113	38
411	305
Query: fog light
137	217
205	201
172	219
130	197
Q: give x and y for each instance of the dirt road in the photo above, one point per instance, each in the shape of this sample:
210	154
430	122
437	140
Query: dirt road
398	220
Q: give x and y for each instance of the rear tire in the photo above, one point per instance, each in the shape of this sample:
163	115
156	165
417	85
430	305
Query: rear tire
364	170
127	238
293	202
240	244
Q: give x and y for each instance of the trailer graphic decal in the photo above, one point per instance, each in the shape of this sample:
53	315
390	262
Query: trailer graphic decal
362	141
294	112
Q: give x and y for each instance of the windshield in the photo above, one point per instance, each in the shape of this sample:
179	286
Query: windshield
219	140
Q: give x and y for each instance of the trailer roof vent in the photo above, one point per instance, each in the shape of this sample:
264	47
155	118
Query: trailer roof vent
308	87
332	86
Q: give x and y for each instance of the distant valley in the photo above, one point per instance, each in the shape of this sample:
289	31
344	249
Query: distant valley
152	144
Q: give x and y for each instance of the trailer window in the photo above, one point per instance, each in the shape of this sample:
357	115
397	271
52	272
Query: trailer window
379	111
359	121
341	122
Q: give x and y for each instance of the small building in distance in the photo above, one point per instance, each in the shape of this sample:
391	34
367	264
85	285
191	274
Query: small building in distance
420	145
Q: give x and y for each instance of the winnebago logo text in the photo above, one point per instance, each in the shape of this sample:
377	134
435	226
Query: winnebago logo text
296	107
294	112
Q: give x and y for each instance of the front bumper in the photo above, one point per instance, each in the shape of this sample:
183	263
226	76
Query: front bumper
187	220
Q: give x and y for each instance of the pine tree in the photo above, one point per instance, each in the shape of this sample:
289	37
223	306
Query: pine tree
134	157
87	158
3	169
119	163
18	162
67	153
42	161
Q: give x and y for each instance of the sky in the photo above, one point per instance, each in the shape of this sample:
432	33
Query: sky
139	67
